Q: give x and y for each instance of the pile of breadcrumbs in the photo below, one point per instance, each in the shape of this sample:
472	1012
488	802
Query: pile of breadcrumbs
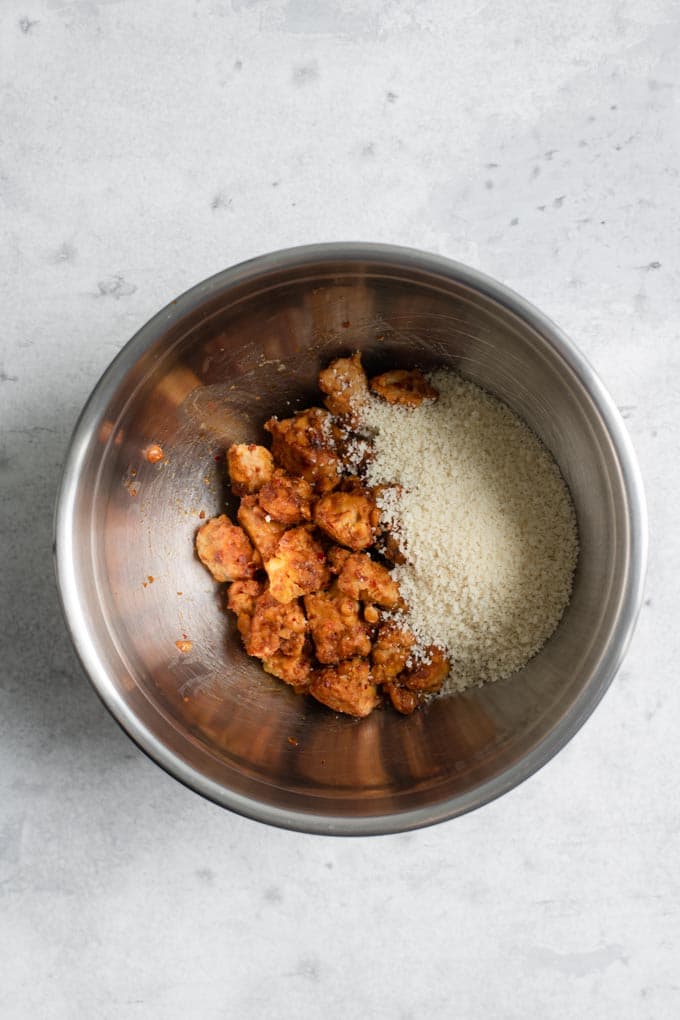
485	520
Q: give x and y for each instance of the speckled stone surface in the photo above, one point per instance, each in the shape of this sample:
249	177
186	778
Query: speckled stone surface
148	144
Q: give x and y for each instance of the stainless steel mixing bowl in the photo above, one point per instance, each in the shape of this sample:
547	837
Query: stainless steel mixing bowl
206	372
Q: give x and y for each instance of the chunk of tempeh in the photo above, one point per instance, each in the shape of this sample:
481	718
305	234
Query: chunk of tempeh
337	629
263	533
275	627
403	700
286	499
406	387
427	677
345	385
349	518
241	596
224	549
305	445
346	687
364	579
391	651
295	670
298	566
250	466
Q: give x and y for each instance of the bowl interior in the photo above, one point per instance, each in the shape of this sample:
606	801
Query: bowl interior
208	373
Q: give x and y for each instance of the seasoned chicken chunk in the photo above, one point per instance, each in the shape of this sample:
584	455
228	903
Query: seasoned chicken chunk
298	567
305	445
400	386
337	557
250	466
346	687
403	700
345	385
391	650
337	629
263	533
286	499
368	581
225	550
427	677
295	670
349	518
242	594
275	627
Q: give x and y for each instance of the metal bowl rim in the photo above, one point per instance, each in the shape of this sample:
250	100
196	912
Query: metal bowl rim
362	253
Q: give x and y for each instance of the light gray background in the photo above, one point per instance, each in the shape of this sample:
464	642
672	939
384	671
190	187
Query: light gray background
145	145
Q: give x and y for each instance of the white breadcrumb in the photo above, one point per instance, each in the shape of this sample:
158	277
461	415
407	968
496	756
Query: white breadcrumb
486	523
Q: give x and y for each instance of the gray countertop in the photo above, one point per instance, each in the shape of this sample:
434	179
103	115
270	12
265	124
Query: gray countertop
145	145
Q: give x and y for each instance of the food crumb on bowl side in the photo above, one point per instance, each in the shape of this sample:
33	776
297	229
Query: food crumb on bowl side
154	453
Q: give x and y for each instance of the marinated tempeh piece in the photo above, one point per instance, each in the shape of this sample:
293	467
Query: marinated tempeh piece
337	556
406	387
242	595
286	498
346	688
275	627
349	518
345	385
263	533
224	549
403	700
364	579
241	599
295	670
427	677
305	445
298	567
337	630
391	651
250	467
